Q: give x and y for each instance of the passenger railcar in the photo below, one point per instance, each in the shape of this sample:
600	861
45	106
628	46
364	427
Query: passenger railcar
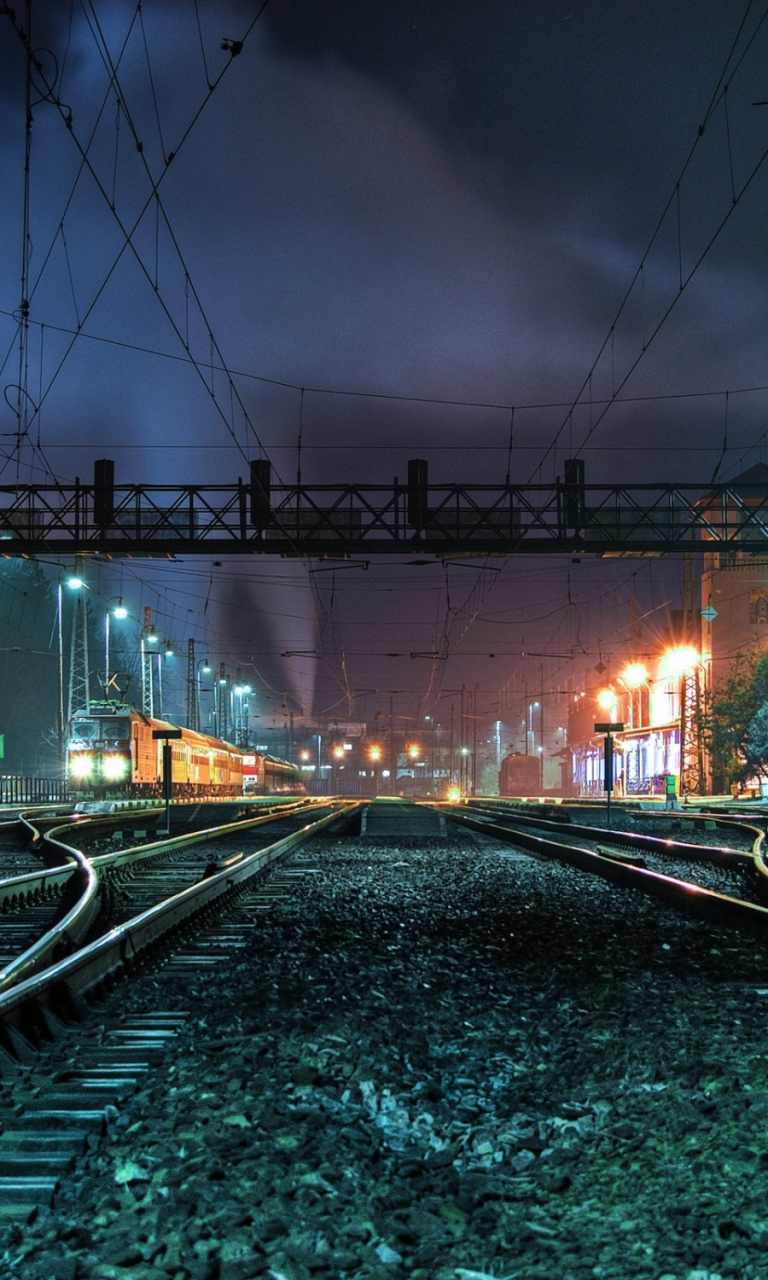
111	750
520	775
266	775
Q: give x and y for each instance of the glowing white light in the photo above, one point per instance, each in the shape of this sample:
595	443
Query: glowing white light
115	768
80	766
634	674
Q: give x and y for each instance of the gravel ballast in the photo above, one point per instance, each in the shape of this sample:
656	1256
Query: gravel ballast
448	1062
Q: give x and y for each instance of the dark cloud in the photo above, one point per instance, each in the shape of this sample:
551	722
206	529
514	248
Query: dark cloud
430	199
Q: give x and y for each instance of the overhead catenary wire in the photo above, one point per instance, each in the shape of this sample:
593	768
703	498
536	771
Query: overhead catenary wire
639	276
234	48
357	393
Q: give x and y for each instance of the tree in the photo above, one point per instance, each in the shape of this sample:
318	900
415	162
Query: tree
734	721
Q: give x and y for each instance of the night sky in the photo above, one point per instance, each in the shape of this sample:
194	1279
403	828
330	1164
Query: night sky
425	214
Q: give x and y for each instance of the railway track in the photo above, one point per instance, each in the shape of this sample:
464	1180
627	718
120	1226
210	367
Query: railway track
729	885
415	1067
84	1092
70	897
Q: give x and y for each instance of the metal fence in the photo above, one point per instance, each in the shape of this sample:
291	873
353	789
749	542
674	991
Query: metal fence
18	790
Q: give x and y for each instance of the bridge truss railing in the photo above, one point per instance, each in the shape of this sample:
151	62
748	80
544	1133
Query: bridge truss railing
255	517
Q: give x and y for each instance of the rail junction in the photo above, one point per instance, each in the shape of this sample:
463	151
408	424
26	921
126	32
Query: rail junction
73	1086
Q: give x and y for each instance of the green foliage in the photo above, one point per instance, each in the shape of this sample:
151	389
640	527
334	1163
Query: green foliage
734	721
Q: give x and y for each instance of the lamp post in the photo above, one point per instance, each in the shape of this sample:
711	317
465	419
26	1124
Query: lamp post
120	612
240	713
463	769
412	752
204	666
530	738
338	756
75	584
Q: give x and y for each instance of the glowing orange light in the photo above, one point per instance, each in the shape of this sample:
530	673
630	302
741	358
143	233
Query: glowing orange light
606	699
634	674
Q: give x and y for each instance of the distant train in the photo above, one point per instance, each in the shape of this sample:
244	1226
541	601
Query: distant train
111	749
520	775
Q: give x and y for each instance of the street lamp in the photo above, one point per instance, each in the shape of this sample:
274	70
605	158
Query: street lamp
338	755
530	739
120	612
204	666
464	769
75	584
607	701
240	713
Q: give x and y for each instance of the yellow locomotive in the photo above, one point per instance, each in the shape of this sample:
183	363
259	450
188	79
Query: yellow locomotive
111	749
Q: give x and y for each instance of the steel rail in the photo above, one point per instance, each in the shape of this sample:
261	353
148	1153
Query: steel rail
67	932
718	854
695	853
692	899
58	987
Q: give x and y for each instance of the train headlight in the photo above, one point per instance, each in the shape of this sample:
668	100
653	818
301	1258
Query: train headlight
114	768
80	767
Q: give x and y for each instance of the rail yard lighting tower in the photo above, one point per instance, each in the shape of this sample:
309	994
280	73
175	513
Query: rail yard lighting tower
683	662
